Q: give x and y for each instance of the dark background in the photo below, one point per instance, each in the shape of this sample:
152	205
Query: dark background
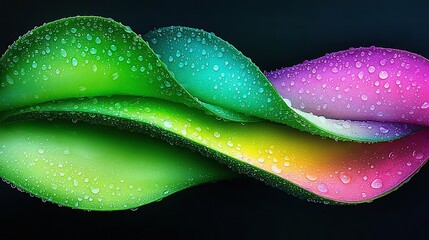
274	35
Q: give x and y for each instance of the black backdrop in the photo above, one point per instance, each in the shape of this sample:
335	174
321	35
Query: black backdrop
274	35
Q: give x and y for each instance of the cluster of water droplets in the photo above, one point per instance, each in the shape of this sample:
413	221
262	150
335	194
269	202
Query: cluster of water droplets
214	73
377	84
83	58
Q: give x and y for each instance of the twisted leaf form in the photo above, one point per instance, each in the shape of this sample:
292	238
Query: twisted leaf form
348	127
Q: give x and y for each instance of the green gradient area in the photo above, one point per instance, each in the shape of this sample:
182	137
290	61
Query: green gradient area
85	57
90	167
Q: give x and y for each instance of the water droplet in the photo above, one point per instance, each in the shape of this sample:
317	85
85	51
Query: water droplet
215	67
344	178
384	130
9	80
425	105
95	190
383	75
63	53
216	134
115	76
386	85
41	151
276	169
377	183
364	97
311	177
417	155
358	64
168	124
34	65
74	62
322	188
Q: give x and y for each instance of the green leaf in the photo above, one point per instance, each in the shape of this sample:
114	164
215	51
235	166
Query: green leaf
95	168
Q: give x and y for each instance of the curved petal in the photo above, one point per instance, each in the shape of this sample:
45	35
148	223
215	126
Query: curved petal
376	84
223	76
88	168
122	82
346	172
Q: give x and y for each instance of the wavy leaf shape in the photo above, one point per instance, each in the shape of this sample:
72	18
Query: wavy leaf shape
91	168
223	76
96	70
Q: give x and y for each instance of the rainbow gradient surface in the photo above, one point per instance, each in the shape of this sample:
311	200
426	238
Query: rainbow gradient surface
348	127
